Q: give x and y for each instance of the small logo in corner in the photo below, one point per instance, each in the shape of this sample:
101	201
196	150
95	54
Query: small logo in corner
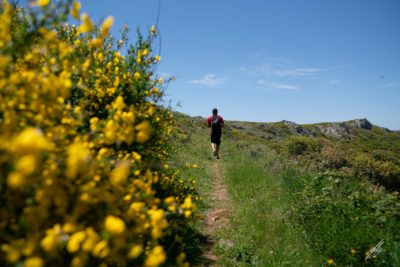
375	251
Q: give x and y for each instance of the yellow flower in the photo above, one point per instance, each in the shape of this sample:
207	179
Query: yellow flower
101	249
353	251
187	213
100	57
136	76
156	257
153	30
96	42
93	123
110	131
157	58
33	262
114	225
119	103
29	141
143	131
116	82
76	6
15	180
105	27
49	242
169	200
42	3
120	174
145	52
139	54
135	251
92	238
87	24
137	206
26	165
330	262
68	228
158	222
86	64
111	91
74	243
187	203
78	155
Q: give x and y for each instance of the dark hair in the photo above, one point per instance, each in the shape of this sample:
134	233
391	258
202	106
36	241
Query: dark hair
215	111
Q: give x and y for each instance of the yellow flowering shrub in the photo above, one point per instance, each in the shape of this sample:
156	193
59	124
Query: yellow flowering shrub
83	145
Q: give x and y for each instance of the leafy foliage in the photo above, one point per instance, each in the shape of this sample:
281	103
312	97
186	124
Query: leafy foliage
344	219
382	171
300	145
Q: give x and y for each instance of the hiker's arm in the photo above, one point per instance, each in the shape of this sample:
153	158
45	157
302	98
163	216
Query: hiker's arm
222	122
209	122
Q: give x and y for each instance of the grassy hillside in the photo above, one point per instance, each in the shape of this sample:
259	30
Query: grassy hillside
356	147
301	195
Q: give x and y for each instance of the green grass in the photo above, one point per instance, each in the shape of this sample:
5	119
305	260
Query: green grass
260	232
194	148
341	215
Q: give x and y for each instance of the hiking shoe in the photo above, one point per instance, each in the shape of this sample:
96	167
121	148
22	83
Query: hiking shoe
215	153
217	156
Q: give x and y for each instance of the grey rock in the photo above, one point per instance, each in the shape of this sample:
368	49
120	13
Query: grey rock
339	130
295	128
361	124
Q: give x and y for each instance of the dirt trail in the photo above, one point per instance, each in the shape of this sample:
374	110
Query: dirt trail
217	216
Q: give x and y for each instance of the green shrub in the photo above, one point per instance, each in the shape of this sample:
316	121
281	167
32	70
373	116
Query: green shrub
332	157
344	219
300	145
385	173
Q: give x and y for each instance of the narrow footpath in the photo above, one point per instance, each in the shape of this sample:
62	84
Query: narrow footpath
217	216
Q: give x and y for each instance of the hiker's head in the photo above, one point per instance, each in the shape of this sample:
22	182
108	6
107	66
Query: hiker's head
215	111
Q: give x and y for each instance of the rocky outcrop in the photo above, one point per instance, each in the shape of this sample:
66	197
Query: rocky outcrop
337	130
295	128
344	130
360	123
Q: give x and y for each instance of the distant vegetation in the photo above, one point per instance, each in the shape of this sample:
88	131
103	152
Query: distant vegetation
355	148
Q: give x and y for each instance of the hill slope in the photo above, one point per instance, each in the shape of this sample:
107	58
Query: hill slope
368	151
298	195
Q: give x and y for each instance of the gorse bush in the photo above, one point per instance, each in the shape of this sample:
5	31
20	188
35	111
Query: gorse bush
83	145
332	157
386	173
300	145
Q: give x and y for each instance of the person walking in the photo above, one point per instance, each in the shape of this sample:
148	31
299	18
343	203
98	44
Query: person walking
215	122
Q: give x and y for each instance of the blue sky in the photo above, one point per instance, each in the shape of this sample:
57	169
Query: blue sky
260	60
